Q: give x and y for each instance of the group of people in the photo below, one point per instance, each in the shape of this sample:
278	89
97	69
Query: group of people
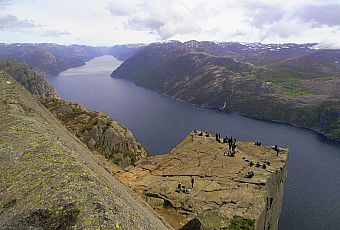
182	189
258	143
251	163
205	133
226	140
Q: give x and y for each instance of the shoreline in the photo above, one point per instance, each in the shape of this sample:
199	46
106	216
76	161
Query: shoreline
237	113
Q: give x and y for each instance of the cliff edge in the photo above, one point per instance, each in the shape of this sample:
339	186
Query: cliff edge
50	180
221	196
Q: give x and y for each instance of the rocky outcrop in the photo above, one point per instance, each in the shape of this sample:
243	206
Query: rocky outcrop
221	198
33	81
50	180
98	131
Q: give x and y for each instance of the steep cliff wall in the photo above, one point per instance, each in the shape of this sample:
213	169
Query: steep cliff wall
271	211
33	81
98	131
50	180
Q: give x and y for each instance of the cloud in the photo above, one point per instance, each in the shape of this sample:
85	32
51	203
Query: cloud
122	21
4	2
165	20
9	22
54	33
261	14
320	15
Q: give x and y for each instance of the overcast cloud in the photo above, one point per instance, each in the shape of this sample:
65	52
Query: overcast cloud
107	22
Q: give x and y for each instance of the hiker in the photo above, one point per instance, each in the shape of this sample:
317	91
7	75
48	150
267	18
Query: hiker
179	186
277	149
195	131
200	134
216	136
192	182
233	147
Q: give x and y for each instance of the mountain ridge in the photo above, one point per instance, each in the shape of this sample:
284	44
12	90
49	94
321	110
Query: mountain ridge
268	88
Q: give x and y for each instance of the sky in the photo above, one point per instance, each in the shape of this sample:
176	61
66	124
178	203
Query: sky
109	22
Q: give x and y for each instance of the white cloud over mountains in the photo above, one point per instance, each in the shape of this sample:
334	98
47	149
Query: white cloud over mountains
129	21
12	22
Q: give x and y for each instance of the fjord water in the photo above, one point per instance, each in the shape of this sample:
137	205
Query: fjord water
312	192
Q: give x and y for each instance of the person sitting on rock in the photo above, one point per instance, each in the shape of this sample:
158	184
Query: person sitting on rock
200	134
250	174
179	187
195	131
257	164
251	163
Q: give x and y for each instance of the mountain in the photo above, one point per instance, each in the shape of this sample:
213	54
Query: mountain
123	52
292	83
49	58
52	59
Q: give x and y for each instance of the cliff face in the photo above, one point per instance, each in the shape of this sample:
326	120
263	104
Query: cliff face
33	81
50	180
98	131
222	198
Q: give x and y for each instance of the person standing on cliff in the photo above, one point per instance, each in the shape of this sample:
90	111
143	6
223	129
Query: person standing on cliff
192	182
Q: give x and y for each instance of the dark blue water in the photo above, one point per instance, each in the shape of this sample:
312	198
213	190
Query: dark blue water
312	192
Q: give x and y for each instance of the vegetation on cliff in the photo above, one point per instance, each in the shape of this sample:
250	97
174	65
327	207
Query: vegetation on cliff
288	83
98	131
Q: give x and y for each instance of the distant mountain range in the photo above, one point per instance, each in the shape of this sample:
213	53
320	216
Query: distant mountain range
51	59
294	83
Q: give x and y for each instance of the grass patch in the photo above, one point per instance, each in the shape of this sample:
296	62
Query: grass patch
297	93
240	223
290	85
